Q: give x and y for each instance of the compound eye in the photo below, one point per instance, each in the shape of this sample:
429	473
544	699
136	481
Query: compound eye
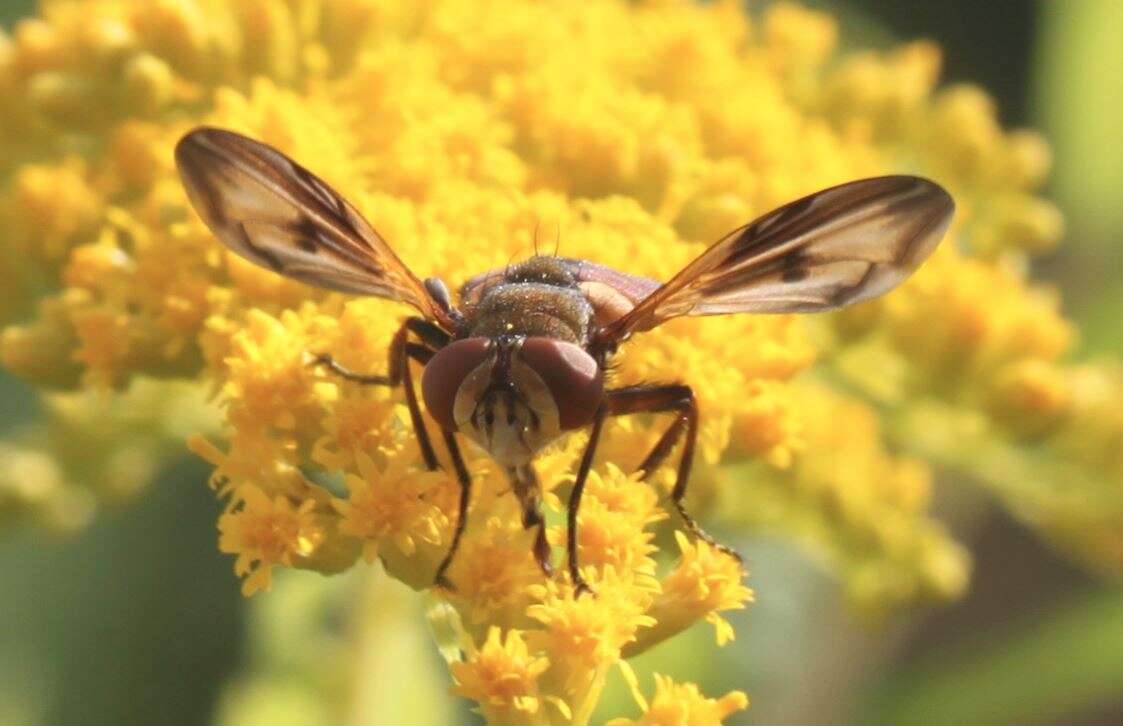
443	375
573	377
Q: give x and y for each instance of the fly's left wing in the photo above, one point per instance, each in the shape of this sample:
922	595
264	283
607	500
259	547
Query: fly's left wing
838	246
274	212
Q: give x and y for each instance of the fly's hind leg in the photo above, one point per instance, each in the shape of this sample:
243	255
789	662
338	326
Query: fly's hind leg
679	400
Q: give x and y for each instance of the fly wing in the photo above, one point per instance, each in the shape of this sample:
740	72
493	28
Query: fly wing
838	246
274	212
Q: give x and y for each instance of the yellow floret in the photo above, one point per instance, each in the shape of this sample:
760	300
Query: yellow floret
264	532
502	676
682	704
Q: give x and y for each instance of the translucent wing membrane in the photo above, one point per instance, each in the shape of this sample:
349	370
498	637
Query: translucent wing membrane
839	246
274	212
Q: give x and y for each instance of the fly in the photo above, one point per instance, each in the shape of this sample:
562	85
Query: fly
519	360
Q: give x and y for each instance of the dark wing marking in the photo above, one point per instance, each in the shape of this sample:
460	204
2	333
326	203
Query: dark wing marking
274	212
839	246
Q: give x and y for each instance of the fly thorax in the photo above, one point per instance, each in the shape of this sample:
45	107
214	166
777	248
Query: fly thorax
532	309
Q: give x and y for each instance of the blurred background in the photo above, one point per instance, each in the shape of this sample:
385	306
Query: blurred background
95	629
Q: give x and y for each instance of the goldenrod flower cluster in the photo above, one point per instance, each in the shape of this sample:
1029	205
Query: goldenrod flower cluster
470	132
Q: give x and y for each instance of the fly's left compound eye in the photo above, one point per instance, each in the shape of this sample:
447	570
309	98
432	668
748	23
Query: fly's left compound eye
443	375
575	381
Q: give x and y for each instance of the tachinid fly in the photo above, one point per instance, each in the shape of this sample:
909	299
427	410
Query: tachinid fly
519	360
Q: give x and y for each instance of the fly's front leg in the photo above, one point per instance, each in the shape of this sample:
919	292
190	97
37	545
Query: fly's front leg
430	334
679	400
401	351
423	355
524	481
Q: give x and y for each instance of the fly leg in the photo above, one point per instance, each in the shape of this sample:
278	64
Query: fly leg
574	507
401	351
465	481
679	400
524	481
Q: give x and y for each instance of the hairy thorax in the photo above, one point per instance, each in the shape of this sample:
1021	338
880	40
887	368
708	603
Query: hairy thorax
539	297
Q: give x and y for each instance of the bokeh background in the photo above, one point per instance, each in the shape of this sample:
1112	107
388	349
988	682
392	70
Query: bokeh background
95	629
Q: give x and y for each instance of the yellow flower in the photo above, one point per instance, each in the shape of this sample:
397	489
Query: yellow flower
494	569
585	635
50	208
264	532
399	505
469	133
268	378
502	676
682	704
860	509
766	424
614	521
1030	397
705	582
103	336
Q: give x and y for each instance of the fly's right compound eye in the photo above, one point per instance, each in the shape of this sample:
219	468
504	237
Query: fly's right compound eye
575	382
446	372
